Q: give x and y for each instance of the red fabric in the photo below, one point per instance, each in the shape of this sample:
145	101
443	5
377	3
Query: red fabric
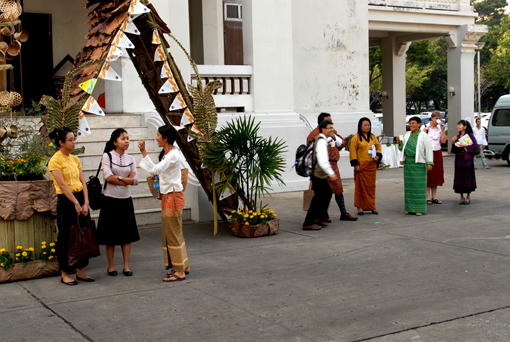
364	191
435	177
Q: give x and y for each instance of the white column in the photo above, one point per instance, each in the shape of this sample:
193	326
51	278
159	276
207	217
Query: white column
394	84
212	13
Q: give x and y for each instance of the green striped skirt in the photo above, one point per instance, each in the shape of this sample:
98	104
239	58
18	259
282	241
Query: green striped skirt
415	185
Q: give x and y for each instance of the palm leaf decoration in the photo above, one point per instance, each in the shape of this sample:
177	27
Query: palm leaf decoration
61	114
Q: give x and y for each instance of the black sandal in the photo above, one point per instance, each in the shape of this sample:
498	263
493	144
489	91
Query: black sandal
436	201
429	202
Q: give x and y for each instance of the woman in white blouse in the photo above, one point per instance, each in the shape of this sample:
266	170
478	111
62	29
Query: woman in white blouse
117	223
172	198
479	132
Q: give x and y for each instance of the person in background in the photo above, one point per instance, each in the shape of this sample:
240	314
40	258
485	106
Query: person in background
73	201
335	145
172	201
481	138
435	177
117	222
417	157
365	154
322	173
464	181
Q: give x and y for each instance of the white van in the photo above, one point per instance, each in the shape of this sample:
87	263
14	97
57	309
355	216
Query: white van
499	129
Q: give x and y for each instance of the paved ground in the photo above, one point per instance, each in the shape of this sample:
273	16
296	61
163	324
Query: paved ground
391	277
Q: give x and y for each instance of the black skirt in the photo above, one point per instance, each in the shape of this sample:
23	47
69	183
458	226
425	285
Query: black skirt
117	223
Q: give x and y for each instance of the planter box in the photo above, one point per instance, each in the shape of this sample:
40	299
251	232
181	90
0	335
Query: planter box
242	230
32	270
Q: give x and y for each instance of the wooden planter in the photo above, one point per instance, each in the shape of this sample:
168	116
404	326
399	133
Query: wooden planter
242	230
32	270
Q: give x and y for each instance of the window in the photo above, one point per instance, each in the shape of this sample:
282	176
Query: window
233	12
501	117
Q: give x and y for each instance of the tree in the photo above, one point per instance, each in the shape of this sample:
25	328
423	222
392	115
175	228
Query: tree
490	12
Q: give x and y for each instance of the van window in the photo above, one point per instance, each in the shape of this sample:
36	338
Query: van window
501	117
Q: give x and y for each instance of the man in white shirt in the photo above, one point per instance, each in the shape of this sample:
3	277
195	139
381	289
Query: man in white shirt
322	172
481	139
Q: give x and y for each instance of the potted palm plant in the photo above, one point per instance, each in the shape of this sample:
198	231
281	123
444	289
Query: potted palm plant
247	164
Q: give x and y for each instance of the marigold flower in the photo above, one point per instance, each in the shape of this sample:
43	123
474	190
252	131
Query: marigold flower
2	250
24	254
19	247
251	216
50	257
44	253
255	214
17	254
43	243
52	244
2	265
251	211
53	250
271	211
246	223
275	215
43	247
246	215
230	216
233	211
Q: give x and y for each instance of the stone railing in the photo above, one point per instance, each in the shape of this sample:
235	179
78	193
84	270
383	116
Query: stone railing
444	5
235	93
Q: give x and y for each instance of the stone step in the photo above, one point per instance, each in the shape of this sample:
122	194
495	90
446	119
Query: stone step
97	146
141	201
151	216
103	134
114	121
92	160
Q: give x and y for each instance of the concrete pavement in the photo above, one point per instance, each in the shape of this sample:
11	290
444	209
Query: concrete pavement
391	277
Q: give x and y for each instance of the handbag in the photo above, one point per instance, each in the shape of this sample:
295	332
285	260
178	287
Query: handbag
95	189
307	197
184	181
83	241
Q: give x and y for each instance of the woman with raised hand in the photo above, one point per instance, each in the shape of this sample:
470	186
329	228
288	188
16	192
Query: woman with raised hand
117	222
172	201
365	154
464	145
73	201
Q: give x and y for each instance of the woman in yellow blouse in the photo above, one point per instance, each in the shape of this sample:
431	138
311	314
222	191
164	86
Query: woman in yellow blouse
365	153
67	174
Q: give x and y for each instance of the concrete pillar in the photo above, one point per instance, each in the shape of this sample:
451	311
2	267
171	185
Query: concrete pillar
461	53
394	84
212	14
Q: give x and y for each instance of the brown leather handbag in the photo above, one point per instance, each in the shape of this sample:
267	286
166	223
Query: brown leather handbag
83	241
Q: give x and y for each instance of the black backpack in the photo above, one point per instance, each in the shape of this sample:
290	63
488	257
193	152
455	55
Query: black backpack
305	161
95	188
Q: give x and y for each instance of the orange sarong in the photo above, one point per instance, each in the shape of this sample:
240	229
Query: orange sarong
364	191
174	247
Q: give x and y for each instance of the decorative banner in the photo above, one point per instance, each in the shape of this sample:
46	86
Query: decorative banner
83	125
89	85
186	118
107	73
165	71
129	27
121	40
113	54
155	37
178	103
169	87
225	194
190	138
178	128
91	106
136	9
159	55
195	129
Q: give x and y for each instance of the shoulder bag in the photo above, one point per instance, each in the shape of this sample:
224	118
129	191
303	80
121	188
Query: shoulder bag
95	189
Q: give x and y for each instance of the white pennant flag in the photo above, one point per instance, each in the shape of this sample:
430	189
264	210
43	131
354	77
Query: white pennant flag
155	37
178	103
165	70
92	107
121	40
190	138
136	9
129	27
83	125
186	118
107	73
226	194
178	128
195	129
168	87
113	54
159	55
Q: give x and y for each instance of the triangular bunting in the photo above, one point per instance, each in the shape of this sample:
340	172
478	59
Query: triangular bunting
83	125
225	194
186	118
165	71
89	85
129	27
178	103
159	55
113	54
92	107
190	138
107	73
136	9
178	128
121	40
168	87
195	129
155	37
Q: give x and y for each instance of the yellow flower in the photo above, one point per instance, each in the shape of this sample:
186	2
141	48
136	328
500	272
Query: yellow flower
43	246
17	254
19	247
255	214
53	250
271	211
2	250
44	253
233	211
31	249
51	257
246	223
43	243
239	213
2	265
246	215
251	211
55	240
24	254
275	215
52	244
251	216
258	212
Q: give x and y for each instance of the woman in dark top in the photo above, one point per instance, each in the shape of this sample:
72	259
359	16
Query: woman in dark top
464	146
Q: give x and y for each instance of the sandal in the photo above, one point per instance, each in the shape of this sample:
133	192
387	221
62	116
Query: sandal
429	202
173	272
436	201
173	277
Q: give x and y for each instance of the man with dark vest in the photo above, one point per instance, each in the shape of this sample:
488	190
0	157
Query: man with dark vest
335	144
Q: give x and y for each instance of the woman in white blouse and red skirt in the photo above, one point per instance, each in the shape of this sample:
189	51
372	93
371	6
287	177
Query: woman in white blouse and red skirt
172	201
117	223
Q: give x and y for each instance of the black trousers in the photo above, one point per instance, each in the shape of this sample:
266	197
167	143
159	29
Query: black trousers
67	217
320	203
